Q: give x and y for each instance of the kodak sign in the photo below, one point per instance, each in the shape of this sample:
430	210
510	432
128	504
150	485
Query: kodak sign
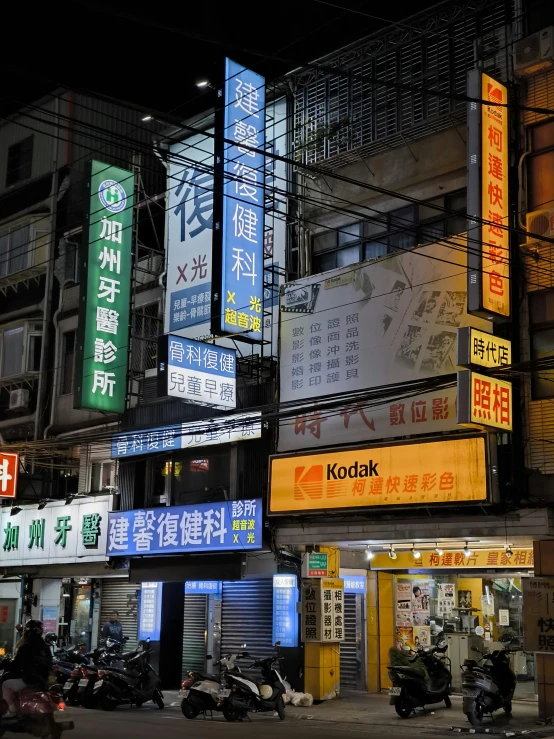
452	471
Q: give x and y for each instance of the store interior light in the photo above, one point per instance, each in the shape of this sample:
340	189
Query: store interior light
415	552
368	553
392	553
438	550
467	550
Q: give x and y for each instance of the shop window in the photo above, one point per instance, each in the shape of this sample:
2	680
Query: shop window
102	476
541	316
68	362
199	476
21	349
20	161
12	351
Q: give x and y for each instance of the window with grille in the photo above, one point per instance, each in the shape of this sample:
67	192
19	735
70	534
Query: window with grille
399	230
147	326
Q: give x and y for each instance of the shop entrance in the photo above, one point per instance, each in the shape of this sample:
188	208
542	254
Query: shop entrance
352	672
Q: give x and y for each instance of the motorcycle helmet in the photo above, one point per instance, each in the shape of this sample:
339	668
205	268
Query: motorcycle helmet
266	692
33	627
51	638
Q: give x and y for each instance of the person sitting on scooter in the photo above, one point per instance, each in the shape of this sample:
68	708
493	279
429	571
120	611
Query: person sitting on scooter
31	665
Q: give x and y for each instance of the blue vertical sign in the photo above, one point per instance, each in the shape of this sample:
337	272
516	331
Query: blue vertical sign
150	620
239	233
285	618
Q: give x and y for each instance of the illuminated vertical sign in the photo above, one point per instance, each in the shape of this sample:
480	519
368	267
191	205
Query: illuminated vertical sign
285	617
484	401
150	620
488	198
238	254
103	333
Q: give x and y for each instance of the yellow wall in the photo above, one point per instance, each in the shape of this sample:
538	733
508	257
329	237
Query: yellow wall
372	621
385	582
475	584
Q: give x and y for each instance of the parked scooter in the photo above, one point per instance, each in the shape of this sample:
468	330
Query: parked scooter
488	684
205	691
135	684
412	689
246	697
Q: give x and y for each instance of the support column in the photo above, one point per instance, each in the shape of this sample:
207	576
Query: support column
372	619
544	567
322	661
385	582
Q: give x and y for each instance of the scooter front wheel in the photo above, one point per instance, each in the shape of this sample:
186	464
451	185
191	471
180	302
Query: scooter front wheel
232	714
447	702
189	710
475	714
401	706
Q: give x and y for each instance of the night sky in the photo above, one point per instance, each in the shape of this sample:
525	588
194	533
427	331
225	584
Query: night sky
151	54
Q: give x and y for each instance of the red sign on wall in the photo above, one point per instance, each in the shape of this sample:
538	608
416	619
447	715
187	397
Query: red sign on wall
9	465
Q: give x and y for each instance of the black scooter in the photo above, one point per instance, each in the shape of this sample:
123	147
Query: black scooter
413	689
488	684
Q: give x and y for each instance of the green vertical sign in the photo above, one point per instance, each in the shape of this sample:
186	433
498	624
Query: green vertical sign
103	336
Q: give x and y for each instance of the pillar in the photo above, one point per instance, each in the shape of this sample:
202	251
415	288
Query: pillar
385	581
544	567
322	661
372	621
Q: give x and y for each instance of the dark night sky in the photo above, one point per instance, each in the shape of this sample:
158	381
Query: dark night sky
84	44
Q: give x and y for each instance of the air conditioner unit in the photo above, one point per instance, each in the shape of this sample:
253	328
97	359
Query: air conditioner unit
535	53
541	223
19	399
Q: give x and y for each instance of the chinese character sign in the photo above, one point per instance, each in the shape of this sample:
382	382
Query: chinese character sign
239	295
477	348
285	617
484	401
355	584
477	559
424	473
196	372
206	587
103	335
538	614
488	197
9	468
323	610
207	527
150	617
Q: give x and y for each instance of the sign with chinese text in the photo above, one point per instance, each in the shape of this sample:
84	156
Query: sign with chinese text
452	471
315	564
203	587
190	226
9	469
538	614
323	610
488	198
57	534
453	560
477	348
196	372
484	401
354	583
225	430
206	527
103	333
392	321
285	617
238	291
150	618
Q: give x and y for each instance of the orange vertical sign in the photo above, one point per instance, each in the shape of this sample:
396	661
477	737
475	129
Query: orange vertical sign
495	212
9	465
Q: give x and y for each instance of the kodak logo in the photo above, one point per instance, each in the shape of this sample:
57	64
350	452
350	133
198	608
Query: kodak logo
334	472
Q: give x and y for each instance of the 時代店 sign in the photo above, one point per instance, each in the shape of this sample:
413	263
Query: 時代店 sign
452	471
207	527
476	348
484	401
103	330
57	534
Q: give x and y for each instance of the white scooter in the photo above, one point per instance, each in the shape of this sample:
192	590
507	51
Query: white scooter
206	691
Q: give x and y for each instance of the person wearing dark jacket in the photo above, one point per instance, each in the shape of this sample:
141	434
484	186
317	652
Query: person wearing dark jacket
113	628
31	665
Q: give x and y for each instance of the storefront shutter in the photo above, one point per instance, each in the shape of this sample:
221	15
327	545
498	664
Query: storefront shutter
121	596
349	667
247	618
194	633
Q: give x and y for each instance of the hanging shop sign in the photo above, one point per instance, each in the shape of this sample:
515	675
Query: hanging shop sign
285	617
103	330
215	431
199	373
355	584
9	468
370	325
484	401
476	348
207	527
150	618
478	559
538	615
323	610
238	246
57	534
452	471
203	587
315	564
488	275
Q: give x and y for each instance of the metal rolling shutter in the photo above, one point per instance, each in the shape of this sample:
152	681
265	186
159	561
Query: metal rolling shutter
194	632
121	596
247	617
348	648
